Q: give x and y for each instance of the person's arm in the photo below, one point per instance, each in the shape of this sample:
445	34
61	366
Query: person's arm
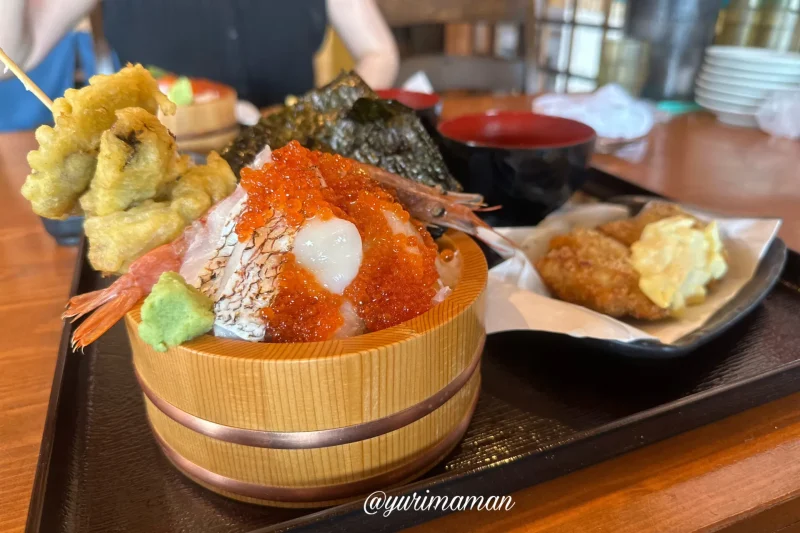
366	35
29	29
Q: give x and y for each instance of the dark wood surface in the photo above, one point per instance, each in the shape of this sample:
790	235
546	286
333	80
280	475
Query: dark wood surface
397	12
740	474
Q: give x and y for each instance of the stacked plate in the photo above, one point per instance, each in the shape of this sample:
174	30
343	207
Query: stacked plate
735	81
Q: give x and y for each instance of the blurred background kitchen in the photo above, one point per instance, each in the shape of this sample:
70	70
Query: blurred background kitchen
654	49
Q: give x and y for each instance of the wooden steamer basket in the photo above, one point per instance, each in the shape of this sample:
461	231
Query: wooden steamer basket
314	424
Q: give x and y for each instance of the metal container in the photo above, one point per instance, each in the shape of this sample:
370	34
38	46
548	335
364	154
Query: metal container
780	28
625	62
771	24
678	32
742	23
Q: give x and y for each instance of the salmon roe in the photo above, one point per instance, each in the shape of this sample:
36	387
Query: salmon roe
304	310
397	279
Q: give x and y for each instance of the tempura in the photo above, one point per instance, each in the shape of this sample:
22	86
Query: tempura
137	160
65	162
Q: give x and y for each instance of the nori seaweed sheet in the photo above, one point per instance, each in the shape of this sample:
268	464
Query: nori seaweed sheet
346	117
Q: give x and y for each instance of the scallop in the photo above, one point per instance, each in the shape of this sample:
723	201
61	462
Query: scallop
331	250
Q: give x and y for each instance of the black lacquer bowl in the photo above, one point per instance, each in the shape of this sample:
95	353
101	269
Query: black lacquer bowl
528	163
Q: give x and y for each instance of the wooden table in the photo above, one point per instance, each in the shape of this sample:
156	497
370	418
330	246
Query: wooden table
741	473
35	275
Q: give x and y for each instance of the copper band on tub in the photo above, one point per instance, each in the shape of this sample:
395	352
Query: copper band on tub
288	440
327	492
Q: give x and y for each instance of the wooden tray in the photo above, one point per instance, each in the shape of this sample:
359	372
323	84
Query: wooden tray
546	408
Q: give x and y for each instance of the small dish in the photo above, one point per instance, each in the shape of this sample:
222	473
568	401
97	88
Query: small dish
740	83
741	91
742	116
766	276
529	164
760	55
724	98
755	267
719	105
739	65
789	79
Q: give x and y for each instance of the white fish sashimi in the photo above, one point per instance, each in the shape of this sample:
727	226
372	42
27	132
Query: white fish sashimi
442	292
400	227
353	324
448	271
262	158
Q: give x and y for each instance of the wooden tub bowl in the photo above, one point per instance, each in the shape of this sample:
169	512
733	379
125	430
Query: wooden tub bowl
314	424
205	126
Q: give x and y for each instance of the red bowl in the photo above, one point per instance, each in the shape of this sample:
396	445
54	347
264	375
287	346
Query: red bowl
414	100
528	163
516	130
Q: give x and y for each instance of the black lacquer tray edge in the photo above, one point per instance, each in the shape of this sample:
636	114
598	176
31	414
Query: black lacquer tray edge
522	471
38	492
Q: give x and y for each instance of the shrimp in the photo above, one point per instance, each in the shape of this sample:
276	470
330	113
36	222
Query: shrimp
427	204
111	304
453	210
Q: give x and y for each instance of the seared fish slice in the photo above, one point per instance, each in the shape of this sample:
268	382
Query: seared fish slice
252	285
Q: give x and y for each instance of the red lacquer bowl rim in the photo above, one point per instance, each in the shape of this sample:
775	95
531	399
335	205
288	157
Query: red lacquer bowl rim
465	129
414	100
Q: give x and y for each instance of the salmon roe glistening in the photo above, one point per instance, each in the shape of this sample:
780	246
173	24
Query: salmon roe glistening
397	279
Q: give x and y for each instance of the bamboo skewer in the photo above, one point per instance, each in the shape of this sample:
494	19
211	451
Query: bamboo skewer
26	81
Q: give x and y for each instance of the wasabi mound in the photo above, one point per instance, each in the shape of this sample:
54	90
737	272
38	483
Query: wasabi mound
174	312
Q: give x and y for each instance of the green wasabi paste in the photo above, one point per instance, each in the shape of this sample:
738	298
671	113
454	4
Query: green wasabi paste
181	92
174	312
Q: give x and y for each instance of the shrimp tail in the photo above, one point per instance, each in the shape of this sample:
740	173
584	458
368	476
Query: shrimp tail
86	303
110	304
106	316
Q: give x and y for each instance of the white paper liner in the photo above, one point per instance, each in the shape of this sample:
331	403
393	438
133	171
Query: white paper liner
518	300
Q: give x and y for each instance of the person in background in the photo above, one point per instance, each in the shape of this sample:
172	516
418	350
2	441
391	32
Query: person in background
264	49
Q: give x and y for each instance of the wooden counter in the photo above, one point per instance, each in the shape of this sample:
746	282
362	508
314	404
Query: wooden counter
741	473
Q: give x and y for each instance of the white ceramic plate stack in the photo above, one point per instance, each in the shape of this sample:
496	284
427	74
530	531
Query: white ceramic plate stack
735	81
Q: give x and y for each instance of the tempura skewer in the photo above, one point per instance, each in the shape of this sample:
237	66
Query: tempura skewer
26	81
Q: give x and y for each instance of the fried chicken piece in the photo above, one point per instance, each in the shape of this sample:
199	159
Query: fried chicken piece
629	230
588	268
64	164
138	158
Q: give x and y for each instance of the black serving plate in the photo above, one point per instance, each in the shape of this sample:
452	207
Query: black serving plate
752	294
548	406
